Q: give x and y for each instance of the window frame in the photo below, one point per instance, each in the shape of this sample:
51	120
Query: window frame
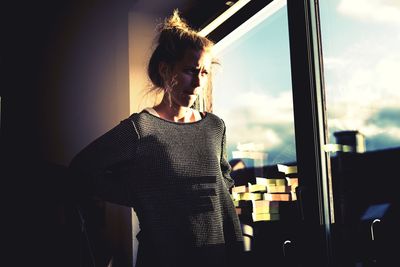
315	197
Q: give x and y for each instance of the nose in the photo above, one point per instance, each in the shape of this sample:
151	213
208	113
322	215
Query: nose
196	80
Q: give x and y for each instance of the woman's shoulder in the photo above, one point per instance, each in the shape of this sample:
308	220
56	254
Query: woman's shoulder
215	118
212	114
137	115
143	118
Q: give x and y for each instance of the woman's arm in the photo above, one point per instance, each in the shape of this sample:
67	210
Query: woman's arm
103	167
225	166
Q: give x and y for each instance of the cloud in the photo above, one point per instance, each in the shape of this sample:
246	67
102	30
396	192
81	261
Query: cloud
387	72
362	87
240	129
382	141
279	143
386	117
331	63
261	107
383	11
386	122
361	81
255	116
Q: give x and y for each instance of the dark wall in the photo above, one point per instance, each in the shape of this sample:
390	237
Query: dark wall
64	81
65	65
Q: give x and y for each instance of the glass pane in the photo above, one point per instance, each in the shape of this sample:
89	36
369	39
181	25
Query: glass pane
361	41
252	90
253	94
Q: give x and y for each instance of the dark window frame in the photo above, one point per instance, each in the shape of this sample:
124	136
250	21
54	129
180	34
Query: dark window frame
315	194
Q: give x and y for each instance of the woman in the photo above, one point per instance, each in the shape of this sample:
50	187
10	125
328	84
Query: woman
169	162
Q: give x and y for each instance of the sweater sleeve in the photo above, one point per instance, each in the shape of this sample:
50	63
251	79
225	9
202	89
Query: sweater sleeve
225	166
103	167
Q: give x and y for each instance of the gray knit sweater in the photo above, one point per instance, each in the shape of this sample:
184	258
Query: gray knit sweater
176	177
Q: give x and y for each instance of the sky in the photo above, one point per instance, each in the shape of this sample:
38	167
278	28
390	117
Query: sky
360	41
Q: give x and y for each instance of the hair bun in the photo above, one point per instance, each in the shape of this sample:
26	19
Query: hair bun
175	23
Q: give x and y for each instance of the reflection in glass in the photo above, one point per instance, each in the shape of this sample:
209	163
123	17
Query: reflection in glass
252	90
361	64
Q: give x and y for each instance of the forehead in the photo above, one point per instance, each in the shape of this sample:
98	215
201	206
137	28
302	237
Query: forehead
196	58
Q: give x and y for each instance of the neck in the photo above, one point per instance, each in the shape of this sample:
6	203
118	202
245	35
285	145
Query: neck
172	112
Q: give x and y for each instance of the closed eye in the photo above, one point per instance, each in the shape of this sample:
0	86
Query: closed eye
195	71
192	71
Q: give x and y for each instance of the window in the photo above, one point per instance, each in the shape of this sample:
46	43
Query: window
252	90
361	41
269	92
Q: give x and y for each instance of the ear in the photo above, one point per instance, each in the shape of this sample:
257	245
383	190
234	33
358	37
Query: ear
164	71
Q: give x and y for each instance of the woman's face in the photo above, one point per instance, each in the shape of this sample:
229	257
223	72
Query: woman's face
189	76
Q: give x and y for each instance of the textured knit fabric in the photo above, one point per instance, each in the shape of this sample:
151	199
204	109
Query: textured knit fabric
176	177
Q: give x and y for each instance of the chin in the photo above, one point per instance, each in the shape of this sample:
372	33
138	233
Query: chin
189	102
188	105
